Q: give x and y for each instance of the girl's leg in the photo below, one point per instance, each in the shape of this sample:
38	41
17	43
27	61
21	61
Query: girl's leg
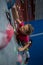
27	56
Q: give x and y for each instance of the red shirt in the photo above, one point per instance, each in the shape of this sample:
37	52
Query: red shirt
21	36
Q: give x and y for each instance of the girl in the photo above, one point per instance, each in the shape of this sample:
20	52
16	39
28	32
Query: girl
22	35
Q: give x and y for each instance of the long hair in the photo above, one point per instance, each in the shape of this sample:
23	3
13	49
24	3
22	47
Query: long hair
30	29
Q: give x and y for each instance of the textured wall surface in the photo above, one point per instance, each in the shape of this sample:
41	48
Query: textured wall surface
8	55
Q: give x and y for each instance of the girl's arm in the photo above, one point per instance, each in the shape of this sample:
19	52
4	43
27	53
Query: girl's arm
18	21
25	47
15	14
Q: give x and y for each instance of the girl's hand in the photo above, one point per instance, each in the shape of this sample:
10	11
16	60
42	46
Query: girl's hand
20	49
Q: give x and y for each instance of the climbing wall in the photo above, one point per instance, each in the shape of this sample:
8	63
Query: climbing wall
8	55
